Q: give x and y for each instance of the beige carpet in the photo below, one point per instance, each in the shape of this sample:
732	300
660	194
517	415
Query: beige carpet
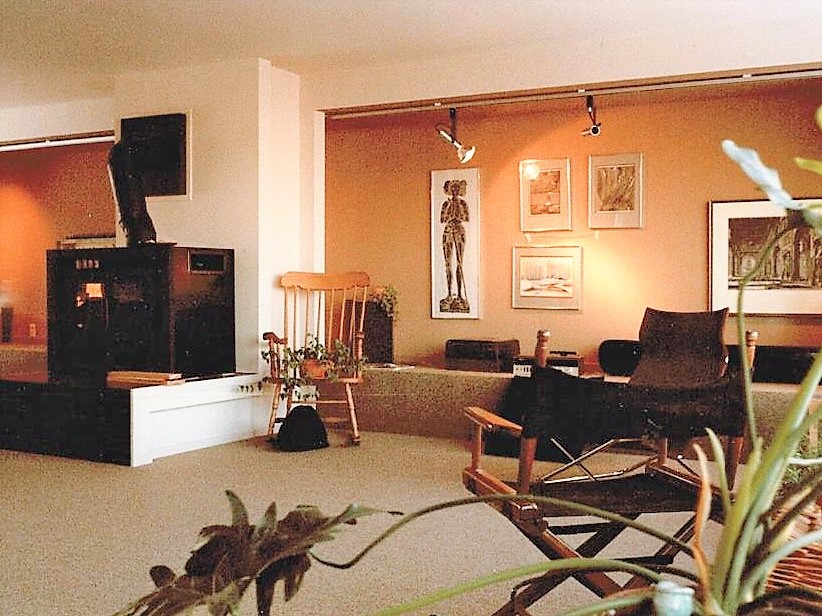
77	538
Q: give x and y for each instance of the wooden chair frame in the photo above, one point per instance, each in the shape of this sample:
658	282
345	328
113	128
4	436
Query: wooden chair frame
531	520
328	307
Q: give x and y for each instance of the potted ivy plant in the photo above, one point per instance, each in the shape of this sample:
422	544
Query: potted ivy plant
386	299
299	366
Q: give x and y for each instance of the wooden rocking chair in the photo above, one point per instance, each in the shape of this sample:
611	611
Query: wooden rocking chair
328	308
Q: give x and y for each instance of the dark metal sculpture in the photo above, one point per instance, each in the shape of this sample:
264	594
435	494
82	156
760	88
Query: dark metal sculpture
129	195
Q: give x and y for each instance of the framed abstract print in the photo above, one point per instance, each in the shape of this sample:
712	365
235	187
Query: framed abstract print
615	191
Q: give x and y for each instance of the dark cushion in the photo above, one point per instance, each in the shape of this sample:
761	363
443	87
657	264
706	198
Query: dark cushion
581	411
619	357
773	364
777	364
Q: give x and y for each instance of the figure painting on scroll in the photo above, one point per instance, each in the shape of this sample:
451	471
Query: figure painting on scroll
455	244
453	214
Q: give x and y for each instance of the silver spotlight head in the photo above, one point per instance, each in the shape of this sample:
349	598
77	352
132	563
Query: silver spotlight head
593	131
465	154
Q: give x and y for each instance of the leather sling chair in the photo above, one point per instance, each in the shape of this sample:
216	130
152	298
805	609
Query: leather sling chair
679	388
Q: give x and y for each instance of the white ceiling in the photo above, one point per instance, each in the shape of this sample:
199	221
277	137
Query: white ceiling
53	50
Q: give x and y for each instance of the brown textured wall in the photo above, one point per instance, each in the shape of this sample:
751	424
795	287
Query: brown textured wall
45	195
378	178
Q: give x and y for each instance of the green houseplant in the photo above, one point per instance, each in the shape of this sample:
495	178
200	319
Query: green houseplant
229	558
300	366
386	298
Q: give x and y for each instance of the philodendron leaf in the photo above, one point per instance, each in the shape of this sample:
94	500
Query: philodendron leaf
291	570
239	515
267	524
228	558
161	575
223	544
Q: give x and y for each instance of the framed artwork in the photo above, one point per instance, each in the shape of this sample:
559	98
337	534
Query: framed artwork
455	244
547	277
162	150
615	191
544	195
790	280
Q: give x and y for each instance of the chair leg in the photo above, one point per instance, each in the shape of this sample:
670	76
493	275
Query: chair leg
275	405
662	450
527	452
355	430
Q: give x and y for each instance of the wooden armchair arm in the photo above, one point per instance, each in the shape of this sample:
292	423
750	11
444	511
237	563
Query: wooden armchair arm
481	482
483	421
273	338
491	421
275	346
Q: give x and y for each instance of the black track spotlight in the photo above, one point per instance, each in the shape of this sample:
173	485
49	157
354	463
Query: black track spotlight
596	127
464	154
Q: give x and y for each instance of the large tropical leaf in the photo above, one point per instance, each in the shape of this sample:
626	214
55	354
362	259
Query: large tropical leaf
227	559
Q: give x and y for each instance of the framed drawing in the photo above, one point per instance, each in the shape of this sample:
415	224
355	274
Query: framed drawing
544	195
790	280
547	277
615	191
162	152
455	244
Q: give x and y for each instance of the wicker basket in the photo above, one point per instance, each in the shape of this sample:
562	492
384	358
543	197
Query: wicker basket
803	567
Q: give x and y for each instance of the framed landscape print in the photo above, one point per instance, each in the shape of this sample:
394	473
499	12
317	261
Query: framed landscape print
544	195
547	277
790	279
615	191
455	244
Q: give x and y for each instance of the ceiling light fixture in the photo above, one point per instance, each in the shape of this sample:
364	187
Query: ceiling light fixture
596	127
463	154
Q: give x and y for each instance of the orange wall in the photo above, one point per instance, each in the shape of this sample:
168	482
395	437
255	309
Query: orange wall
378	220
45	195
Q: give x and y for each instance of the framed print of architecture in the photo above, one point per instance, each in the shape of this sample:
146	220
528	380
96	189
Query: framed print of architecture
547	277
615	191
544	195
162	150
455	244
790	280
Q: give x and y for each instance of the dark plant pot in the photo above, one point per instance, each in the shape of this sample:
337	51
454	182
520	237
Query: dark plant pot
379	335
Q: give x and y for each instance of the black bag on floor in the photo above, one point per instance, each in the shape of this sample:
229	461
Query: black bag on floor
302	430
